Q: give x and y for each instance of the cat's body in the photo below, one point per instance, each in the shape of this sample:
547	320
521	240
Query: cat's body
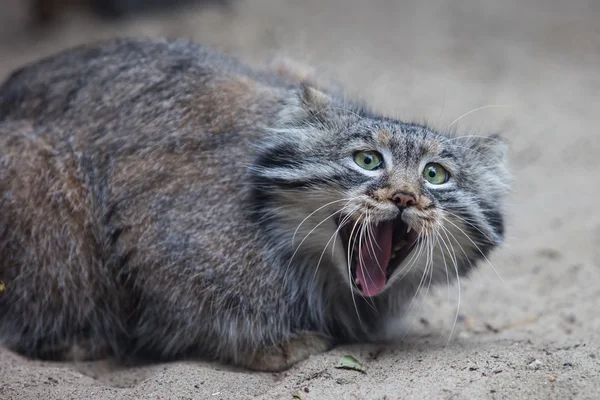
161	200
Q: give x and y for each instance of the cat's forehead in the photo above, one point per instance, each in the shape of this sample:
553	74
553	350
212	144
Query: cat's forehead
401	137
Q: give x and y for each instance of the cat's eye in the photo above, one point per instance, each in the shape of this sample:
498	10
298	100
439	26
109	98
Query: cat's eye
435	174
368	160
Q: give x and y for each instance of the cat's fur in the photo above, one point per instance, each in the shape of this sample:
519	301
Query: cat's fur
150	192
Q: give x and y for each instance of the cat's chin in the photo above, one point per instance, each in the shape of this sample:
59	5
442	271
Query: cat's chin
376	251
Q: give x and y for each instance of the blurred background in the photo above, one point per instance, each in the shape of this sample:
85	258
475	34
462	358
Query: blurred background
528	69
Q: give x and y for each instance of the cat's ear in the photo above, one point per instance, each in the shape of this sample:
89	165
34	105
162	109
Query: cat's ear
307	106
314	100
495	147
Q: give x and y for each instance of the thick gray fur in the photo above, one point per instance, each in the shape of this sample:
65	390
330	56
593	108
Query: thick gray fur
150	191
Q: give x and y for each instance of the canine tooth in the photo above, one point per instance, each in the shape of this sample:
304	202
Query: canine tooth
393	256
408	230
399	245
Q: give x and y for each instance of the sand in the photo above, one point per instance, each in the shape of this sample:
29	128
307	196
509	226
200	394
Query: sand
531	330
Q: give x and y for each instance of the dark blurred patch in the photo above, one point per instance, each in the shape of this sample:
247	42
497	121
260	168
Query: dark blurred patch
124	8
46	11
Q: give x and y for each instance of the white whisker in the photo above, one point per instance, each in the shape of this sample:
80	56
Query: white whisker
333	237
362	264
454	260
313	213
477	247
415	257
350	253
475	110
466	221
428	265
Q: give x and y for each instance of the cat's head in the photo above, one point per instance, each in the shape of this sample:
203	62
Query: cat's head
376	198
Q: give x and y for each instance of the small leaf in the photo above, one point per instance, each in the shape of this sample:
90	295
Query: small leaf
297	395
349	362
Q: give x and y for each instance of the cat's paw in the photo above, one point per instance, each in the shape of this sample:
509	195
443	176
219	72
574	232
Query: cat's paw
87	350
283	356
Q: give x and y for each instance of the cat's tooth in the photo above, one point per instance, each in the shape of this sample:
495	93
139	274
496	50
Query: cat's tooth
399	245
393	256
408	230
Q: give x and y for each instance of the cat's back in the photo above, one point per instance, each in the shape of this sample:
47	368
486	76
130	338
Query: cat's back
140	86
154	125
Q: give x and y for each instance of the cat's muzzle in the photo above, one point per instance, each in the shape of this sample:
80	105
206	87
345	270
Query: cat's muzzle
375	251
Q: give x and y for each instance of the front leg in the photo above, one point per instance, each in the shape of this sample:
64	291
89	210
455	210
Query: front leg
284	355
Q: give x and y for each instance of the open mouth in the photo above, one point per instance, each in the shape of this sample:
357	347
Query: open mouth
374	259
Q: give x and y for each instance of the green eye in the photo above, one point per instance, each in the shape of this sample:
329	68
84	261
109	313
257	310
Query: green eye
368	160
435	174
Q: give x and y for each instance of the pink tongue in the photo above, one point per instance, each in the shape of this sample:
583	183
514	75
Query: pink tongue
370	273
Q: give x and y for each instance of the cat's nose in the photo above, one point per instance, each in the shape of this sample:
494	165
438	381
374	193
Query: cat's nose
404	199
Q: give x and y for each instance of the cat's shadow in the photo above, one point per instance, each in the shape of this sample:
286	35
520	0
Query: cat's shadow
134	371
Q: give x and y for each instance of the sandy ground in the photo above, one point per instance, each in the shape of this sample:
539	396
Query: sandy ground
534	332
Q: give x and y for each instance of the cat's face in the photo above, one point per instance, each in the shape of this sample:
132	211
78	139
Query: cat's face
385	200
